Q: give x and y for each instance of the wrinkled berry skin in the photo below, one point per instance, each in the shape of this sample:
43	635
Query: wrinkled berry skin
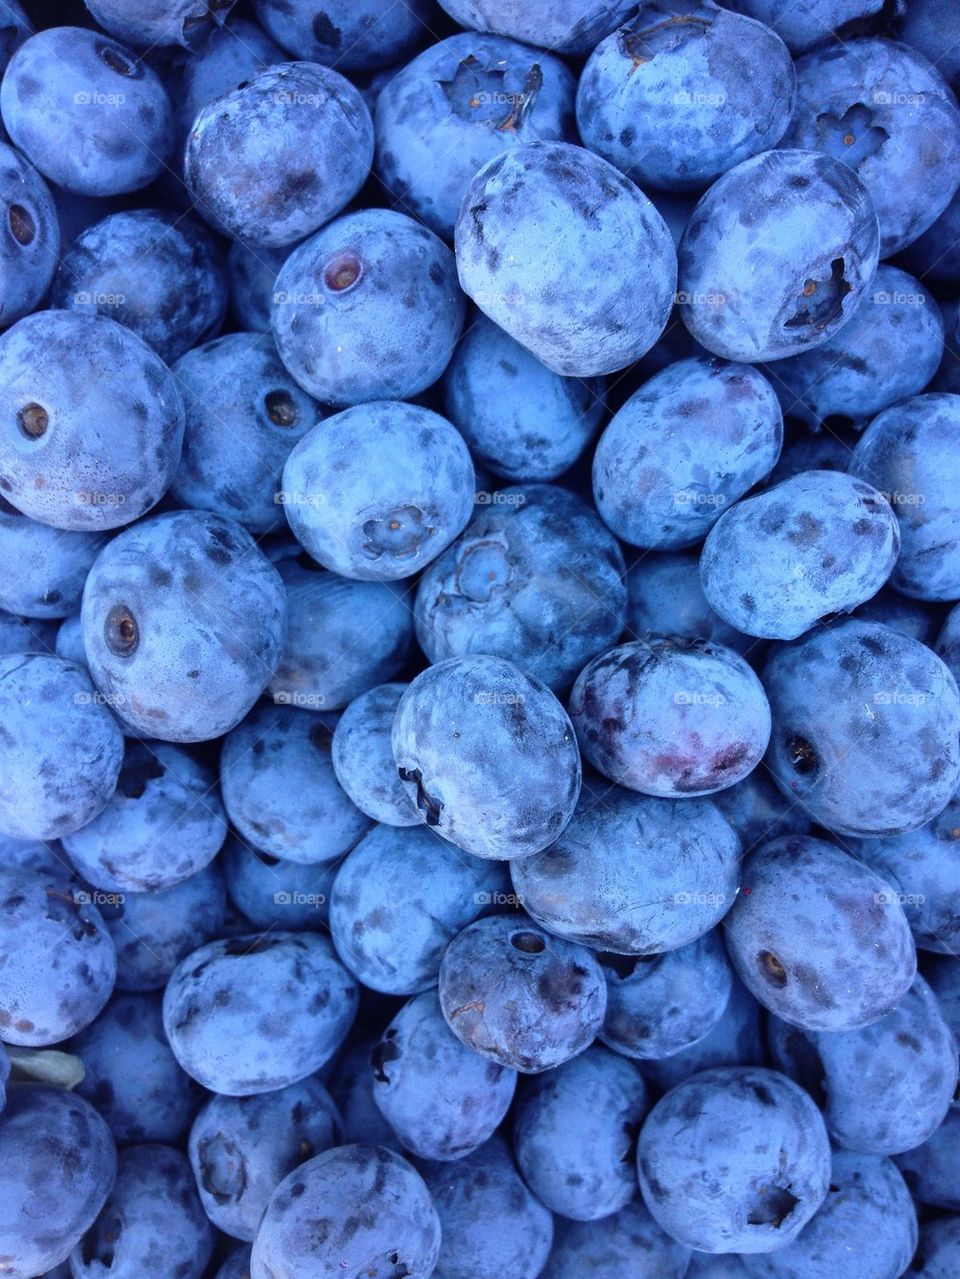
809	22
378	491
163	823
30	242
691	441
536	579
83	109
659	1005
665	597
466	732
574	1134
400	897
152	1225
565	26
820	939
57	960
883	757
271	162
734	1160
241	1148
633	875
152	932
469	98
907	157
57	1167
354	35
736	1039
343	636
274	893
280	790
520	419
568	309
519	996
889	351
60	748
156	272
867	1214
251	1014
492	1225
43	569
92	421
131	1076
671	717
627	1243
884	1088
161	22
243	413
377	1207
910	452
368	309
441	1099
682	93
183	624
807	227
819	543
363	756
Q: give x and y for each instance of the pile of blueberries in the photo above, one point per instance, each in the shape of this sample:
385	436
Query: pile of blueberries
479	639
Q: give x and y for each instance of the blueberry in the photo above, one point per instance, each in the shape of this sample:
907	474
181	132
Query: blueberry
43	568
273	160
183	625
163	823
938	1255
363	756
809	23
658	1005
93	421
349	34
735	1040
818	937
488	755
252	1014
241	1148
909	452
441	1099
671	717
734	1160
757	810
159	22
244	413
492	1225
274	893
236	1266
627	1243
883	1089
88	113
60	748
57	1167
520	997
810	449
156	272
665	597
935	255
888	113
26	635
930	1169
343	637
536	579
914	618
31	237
152	1224
228	56
368	309
33	854
577	310
821	542
377	492
691	441
465	100
400	897
352	1086
633	875
867	1214
280	790
567	26
865	728
669	100
575	1132
374	1211
519	418
252	271
131	1076
806	224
